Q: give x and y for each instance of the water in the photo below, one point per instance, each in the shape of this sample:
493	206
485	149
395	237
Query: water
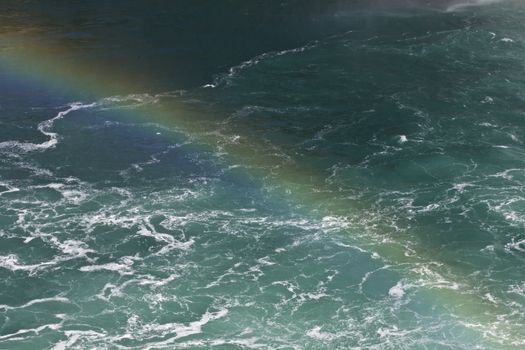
278	175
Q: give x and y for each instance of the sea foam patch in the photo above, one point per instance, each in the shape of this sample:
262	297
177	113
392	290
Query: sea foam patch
45	128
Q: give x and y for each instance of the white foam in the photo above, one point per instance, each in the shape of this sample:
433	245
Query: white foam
393	331
334	222
518	289
123	268
36	330
9	188
462	5
36	301
45	128
10	262
397	291
147	230
180	330
507	173
317	334
233	71
128	101
516	245
488	125
513	137
490	298
460	187
156	283
488	248
488	100
72	194
193	327
74	336
120	268
429	277
313	296
247	343
265	261
76	249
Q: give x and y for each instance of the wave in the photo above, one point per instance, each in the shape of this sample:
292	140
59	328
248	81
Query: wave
461	5
112	102
123	267
11	262
136	330
8	188
233	71
58	299
45	128
37	330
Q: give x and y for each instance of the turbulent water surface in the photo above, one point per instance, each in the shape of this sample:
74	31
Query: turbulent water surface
262	174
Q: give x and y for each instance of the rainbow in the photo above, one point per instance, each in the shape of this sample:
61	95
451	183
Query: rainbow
47	65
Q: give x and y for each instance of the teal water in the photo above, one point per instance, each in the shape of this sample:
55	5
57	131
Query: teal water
277	175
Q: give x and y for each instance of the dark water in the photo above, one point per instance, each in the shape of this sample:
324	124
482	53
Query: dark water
262	175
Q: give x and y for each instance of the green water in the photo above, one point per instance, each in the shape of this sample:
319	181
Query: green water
262	175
